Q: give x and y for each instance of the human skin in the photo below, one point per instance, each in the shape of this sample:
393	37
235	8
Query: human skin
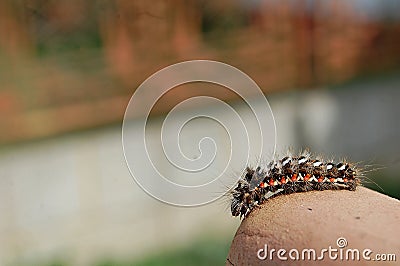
315	220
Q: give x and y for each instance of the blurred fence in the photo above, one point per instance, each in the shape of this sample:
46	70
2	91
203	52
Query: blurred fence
67	65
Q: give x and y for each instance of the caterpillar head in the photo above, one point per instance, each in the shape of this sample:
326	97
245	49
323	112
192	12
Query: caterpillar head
240	196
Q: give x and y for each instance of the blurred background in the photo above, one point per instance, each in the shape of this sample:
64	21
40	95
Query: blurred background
330	70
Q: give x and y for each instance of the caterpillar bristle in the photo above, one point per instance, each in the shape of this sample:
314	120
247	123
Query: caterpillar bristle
291	174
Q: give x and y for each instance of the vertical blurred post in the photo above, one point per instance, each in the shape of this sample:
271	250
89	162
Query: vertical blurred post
13	25
303	25
186	27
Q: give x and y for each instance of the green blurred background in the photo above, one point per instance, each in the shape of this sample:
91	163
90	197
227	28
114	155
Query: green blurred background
69	68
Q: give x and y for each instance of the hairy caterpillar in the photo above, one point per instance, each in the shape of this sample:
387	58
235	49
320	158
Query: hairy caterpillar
289	175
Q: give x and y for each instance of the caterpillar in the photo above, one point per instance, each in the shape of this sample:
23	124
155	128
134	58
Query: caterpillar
288	175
